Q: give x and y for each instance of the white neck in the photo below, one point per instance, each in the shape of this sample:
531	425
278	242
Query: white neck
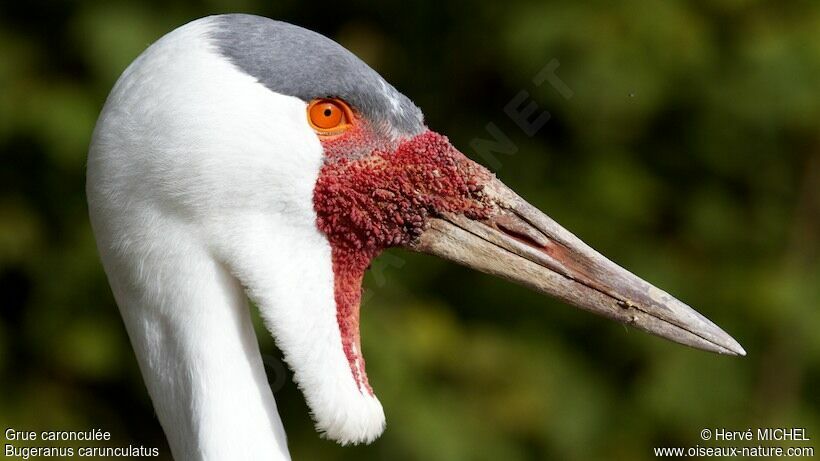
197	350
200	182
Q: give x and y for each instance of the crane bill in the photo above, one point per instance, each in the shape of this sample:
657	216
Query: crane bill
522	244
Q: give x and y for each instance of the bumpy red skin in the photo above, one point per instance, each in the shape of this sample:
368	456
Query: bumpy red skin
369	198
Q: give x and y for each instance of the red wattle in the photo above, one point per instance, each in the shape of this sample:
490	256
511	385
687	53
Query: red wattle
368	199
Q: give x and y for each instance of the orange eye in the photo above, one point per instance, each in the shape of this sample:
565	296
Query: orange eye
329	116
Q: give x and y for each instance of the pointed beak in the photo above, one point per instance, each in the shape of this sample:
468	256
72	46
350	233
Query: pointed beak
521	244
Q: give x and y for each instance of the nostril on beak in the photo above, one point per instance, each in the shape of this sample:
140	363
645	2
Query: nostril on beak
519	229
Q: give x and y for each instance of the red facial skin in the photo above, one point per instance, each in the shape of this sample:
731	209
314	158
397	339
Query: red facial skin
367	203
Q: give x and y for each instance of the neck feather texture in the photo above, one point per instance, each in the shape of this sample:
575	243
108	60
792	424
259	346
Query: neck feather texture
190	327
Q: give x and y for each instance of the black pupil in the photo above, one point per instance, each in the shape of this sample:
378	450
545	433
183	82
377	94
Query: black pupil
327	112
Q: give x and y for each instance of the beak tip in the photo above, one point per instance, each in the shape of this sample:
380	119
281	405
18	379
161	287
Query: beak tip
735	348
725	341
725	344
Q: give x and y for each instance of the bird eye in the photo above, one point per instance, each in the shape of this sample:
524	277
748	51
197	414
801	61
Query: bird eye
329	116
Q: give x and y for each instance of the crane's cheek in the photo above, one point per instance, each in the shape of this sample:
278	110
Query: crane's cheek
367	202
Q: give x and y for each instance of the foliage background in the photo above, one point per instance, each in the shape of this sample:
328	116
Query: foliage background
689	153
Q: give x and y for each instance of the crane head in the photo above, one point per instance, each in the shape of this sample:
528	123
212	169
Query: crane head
295	165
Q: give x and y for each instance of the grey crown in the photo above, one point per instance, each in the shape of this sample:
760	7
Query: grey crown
298	62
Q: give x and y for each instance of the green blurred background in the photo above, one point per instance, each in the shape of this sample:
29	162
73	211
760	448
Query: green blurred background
689	152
